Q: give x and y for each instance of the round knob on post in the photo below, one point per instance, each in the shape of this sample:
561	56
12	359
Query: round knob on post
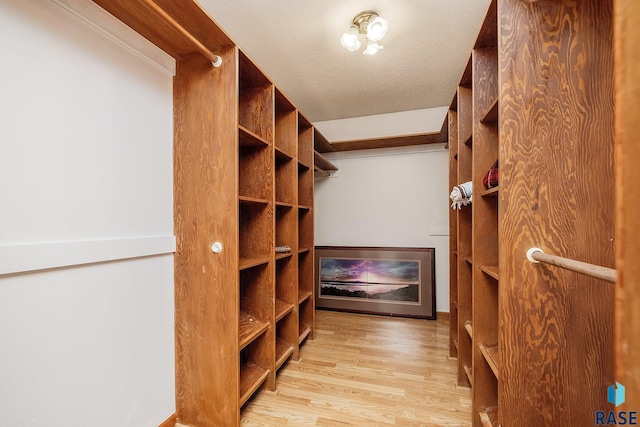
216	247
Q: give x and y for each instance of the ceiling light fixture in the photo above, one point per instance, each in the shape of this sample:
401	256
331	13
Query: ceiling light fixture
372	26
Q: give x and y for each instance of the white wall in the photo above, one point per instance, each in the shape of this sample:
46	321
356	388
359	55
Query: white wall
388	197
384	125
85	175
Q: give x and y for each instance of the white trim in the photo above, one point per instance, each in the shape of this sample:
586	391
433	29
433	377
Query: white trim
114	29
39	256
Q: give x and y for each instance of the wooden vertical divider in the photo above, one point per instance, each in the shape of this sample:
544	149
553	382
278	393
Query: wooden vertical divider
627	38
556	192
206	210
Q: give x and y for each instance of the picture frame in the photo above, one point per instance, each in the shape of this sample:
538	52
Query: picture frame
393	281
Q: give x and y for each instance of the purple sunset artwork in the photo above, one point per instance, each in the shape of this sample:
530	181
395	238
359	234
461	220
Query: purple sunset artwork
370	279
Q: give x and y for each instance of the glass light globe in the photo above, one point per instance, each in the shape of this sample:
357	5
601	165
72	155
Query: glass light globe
377	28
349	40
372	48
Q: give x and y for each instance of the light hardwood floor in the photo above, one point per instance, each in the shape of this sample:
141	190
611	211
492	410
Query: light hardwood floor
363	370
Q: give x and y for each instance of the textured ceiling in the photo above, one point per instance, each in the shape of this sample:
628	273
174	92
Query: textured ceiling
296	43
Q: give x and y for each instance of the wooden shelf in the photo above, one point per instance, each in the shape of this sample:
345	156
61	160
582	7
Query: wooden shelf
491	115
283	351
281	155
468	141
489	417
282	309
467	370
491	356
304	334
250	328
304	207
247	138
469	328
245	263
491	271
492	192
320	143
304	295
253	200
303	250
251	378
323	163
284	205
469	260
283	255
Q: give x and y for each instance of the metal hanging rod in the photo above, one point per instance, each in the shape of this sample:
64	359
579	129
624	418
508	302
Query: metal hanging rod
537	255
216	60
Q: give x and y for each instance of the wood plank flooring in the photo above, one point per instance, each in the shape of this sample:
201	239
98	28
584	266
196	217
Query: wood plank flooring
363	370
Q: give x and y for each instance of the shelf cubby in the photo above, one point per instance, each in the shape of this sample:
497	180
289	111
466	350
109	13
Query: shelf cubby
255	172
255	100
305	229
286	337
305	143
255	231
254	370
286	181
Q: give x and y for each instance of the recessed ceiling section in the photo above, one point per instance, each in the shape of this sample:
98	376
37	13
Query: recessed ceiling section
297	43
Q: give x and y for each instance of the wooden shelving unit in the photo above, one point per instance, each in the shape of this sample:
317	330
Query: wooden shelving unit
461	157
473	129
306	307
493	286
244	180
485	215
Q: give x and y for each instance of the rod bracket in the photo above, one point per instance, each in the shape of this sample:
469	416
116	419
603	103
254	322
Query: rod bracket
530	253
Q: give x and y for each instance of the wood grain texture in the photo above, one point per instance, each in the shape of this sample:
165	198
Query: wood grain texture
169	422
627	40
286	117
364	370
465	115
556	192
255	171
488	35
256	99
286	181
388	142
187	13
305	143
206	284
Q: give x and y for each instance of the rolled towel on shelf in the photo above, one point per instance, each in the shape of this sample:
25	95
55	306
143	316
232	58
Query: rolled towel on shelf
461	195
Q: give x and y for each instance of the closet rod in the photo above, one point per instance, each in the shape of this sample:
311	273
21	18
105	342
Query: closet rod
216	60
537	255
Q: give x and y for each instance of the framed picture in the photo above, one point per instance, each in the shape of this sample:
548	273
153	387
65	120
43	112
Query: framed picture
391	281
